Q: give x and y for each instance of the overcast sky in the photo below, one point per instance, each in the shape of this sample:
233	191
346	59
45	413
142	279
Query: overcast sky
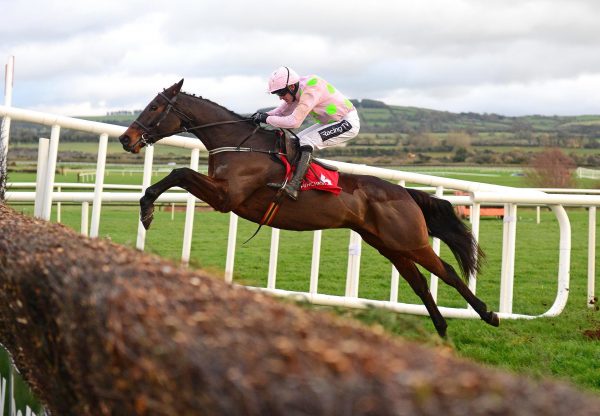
511	57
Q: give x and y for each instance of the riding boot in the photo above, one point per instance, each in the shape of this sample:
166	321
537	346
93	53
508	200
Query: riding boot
291	188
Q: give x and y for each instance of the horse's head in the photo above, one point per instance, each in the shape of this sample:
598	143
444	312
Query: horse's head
158	120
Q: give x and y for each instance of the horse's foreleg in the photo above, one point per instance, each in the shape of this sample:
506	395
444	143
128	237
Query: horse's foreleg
204	187
428	259
418	283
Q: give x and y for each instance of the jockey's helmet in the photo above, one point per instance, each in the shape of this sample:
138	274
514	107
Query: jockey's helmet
281	79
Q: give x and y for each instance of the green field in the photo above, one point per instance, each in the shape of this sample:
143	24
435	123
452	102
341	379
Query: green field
545	347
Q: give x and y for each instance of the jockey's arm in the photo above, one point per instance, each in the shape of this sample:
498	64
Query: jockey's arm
282	110
306	103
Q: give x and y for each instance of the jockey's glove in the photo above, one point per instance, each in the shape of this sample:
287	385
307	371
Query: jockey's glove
259	117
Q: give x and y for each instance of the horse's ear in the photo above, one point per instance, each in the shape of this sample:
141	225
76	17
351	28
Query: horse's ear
174	89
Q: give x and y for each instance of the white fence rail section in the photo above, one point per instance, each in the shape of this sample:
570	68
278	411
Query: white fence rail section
588	173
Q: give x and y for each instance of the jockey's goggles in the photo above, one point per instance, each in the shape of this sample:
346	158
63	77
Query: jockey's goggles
282	92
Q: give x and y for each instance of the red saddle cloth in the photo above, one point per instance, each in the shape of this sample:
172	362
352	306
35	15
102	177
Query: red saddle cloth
317	177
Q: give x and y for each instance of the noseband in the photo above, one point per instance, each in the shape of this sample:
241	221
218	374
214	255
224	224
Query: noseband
149	138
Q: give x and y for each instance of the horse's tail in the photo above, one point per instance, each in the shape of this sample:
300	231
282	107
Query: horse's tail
443	223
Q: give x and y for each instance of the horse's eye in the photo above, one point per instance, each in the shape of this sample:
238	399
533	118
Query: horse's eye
153	108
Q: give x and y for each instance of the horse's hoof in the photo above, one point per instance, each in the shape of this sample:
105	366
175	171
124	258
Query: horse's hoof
442	332
146	221
146	216
493	319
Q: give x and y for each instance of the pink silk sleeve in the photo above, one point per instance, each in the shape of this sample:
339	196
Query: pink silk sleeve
307	102
278	111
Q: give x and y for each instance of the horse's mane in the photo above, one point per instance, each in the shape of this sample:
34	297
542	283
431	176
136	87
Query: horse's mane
197	97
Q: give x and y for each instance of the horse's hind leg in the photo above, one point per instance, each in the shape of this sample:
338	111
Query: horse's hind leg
409	271
427	258
418	283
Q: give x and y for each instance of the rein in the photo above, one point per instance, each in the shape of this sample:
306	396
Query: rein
149	139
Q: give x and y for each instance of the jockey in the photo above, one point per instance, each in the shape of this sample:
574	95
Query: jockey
336	118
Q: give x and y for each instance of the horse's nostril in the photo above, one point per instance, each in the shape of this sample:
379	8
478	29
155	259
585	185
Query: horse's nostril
124	139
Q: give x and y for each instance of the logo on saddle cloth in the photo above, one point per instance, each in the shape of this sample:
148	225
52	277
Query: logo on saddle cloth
325	180
317	177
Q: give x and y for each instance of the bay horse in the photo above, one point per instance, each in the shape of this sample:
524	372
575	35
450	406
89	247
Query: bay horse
394	220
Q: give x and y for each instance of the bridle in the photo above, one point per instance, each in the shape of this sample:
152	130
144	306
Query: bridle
148	138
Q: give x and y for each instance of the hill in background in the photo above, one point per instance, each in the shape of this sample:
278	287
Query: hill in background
400	135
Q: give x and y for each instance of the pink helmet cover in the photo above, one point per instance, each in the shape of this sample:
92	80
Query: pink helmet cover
281	78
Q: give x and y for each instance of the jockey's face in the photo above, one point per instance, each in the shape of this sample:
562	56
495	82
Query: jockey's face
287	98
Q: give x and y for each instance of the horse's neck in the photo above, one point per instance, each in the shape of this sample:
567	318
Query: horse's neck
204	112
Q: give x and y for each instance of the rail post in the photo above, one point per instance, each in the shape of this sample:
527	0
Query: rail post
273	255
8	86
592	301
435	243
50	172
229	261
40	184
395	279
353	273
507	273
100	169
475	222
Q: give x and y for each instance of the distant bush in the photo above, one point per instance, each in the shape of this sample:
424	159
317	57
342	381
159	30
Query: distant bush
592	161
487	157
458	139
593	143
514	157
460	155
551	169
